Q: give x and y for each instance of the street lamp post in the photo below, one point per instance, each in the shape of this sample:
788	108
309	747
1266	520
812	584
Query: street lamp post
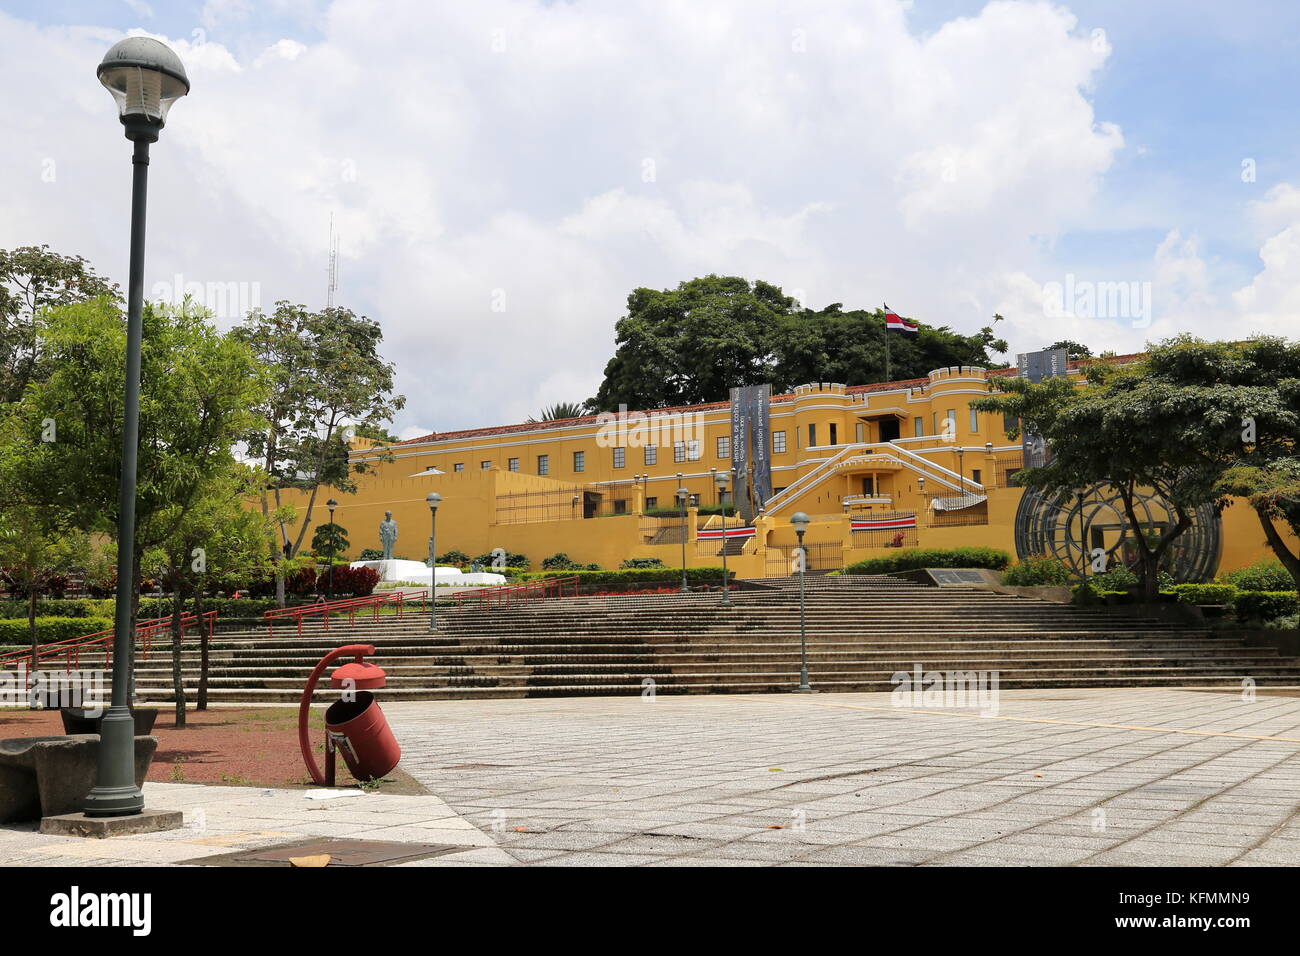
682	496
961	471
145	78
800	522
721	480
433	498
331	505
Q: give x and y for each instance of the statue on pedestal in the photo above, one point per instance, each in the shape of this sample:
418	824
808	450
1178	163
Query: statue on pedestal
388	535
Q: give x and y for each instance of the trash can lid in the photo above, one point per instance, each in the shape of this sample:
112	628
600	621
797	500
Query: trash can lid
365	676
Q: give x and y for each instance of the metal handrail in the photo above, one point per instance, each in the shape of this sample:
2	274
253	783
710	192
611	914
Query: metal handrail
518	593
348	606
72	647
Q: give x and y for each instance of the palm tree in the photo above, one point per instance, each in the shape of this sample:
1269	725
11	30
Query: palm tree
560	410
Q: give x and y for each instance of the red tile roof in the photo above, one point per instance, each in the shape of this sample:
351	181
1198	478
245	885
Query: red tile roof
493	430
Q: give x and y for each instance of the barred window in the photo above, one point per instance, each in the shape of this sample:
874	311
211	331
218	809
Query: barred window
485	465
650	454
679	451
459	466
543	464
579	461
724	446
514	464
778	442
620	455
693	452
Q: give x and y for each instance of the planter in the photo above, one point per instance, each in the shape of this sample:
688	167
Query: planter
77	720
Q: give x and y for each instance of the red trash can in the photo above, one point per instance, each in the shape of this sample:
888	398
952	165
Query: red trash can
362	734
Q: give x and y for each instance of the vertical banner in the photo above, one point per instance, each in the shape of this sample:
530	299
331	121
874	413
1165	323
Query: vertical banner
751	448
1036	366
761	436
740	457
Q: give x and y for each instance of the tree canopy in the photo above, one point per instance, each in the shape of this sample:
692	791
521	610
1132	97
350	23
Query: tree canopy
691	344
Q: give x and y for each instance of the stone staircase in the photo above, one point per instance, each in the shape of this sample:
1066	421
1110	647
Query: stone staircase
861	630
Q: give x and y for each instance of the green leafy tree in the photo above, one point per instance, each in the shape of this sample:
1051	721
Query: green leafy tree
692	344
29	549
560	410
200	389
1170	424
330	540
1074	350
31	279
326	373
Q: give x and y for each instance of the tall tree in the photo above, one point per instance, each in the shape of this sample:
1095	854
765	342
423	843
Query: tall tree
31	279
327	372
693	343
28	552
199	392
1170	424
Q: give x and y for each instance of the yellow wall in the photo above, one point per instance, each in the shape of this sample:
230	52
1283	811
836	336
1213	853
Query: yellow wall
468	516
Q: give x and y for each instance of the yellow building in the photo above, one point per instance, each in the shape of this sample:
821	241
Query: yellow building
896	464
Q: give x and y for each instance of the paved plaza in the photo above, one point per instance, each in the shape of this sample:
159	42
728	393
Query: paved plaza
1066	777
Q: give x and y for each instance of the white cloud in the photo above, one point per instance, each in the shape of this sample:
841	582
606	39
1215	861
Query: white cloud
553	157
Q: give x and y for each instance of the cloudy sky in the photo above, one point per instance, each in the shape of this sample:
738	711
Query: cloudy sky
502	172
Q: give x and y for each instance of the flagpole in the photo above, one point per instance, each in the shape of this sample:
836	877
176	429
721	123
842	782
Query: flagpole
888	373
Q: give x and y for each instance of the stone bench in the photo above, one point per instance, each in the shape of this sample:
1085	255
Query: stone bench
48	776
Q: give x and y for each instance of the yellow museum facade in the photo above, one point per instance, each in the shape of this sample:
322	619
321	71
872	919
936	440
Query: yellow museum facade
896	464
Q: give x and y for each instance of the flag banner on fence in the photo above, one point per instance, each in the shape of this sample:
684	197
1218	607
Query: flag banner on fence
727	533
883	524
896	323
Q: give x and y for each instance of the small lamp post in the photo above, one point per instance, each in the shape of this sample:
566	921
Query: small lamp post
433	499
145	78
682	497
961	470
800	522
720	479
331	505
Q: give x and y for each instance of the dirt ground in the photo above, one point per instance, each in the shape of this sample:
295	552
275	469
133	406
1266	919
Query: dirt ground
254	747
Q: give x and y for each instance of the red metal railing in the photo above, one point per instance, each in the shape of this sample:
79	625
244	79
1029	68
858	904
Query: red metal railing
519	593
72	648
348	606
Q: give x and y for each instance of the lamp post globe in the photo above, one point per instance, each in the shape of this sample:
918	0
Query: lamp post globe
331	505
720	479
433	499
682	497
145	78
800	522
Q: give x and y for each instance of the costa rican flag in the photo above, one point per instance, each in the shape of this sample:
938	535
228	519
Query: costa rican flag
896	323
883	524
719	533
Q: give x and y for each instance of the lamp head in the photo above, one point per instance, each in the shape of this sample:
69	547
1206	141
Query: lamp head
145	77
433	499
800	522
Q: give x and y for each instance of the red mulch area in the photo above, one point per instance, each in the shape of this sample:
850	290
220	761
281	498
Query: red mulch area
253	747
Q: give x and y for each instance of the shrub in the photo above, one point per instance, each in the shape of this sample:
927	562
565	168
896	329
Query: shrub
513	560
50	629
1264	576
1118	578
302	581
626	576
914	558
225	607
1205	593
560	562
1290	622
359	582
54	607
643	563
452	559
370	554
1264	605
1037	570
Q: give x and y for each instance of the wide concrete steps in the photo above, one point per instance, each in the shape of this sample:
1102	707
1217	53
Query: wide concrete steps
861	632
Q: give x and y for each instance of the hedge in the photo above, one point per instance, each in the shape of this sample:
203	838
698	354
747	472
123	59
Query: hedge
1264	576
1037	571
53	607
1264	605
50	629
225	607
1205	593
915	558
695	576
